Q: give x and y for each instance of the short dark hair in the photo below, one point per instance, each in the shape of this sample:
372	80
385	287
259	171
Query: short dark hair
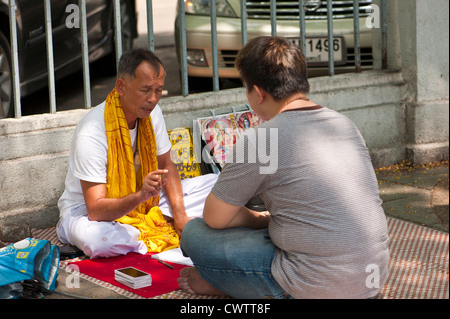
130	60
275	65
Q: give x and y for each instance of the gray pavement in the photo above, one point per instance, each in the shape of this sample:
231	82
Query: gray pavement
411	193
416	194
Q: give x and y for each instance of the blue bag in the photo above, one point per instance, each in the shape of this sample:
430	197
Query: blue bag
28	259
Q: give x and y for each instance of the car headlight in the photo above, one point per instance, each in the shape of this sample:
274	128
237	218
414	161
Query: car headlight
202	7
196	57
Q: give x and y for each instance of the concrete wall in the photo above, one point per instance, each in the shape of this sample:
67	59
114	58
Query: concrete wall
33	163
418	44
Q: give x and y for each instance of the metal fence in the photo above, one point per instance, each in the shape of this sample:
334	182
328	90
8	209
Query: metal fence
273	24
183	44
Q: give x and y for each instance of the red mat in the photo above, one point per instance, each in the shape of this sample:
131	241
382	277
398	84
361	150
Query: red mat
164	279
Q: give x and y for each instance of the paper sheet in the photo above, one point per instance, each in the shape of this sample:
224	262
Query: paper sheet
174	256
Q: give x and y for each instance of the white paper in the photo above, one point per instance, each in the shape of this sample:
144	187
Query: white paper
174	256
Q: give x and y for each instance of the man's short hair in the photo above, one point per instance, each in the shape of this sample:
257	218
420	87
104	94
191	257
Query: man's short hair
130	60
275	65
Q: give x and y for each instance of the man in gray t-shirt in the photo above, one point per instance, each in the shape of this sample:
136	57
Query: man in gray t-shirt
326	235
327	222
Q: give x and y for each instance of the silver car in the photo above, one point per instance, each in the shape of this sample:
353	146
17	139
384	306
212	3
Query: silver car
198	33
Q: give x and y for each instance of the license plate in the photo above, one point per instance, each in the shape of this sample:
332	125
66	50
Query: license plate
317	50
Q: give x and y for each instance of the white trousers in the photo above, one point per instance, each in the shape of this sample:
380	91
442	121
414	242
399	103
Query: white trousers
108	239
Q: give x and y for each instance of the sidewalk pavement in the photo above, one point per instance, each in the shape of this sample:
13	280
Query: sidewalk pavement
414	193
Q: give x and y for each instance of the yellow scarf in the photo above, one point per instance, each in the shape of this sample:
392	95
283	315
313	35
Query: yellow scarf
123	180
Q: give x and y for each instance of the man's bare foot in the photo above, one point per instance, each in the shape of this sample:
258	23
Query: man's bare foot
191	282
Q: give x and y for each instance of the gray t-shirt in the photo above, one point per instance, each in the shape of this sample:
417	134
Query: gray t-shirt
313	171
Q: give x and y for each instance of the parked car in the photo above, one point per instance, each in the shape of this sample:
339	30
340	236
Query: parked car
66	42
198	33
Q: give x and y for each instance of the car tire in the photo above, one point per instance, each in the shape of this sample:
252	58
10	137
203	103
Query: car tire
199	84
6	89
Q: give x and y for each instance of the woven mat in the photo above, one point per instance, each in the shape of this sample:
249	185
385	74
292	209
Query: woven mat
419	264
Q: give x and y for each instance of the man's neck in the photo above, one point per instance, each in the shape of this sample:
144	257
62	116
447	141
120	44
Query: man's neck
131	121
132	125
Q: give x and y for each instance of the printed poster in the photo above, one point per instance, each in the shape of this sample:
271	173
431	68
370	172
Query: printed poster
182	153
221	132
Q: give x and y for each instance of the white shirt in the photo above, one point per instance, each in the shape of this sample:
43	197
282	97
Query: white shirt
89	153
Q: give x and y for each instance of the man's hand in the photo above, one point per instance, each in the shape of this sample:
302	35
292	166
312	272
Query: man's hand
153	184
101	208
180	222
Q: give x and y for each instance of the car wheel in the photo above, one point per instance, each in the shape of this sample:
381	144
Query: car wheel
199	84
6	103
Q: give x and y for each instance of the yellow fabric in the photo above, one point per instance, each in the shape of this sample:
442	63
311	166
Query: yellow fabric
123	180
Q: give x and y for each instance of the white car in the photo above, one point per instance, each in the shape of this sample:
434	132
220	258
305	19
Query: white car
198	33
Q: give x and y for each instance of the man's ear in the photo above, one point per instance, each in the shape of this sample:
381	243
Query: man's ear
120	86
261	93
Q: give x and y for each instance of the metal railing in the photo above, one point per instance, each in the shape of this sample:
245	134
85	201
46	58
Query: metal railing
49	45
14	58
273	24
183	44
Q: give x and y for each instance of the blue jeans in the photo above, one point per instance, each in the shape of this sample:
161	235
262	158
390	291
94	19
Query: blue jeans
237	261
